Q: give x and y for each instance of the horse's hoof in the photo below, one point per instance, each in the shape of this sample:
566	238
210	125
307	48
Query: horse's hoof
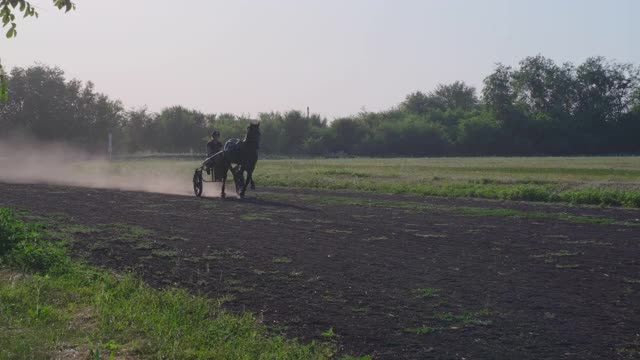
241	195
223	195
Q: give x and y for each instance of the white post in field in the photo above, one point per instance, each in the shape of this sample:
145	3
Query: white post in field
110	150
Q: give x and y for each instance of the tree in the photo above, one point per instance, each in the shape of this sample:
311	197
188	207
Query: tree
544	87
498	93
454	96
8	11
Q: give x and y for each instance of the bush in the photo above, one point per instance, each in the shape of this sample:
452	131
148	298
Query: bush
12	231
21	246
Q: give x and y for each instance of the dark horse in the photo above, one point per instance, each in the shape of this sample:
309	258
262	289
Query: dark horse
243	153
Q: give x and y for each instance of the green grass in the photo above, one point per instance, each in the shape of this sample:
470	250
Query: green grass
420	330
426	293
282	260
580	219
465	319
51	305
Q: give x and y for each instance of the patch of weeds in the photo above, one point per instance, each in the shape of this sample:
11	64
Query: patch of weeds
557	236
127	232
233	282
376	238
440	302
337	231
259	272
630	349
282	260
177	238
254	217
349	357
343	172
295	273
435	236
631	281
333	298
466	319
587	242
426	293
236	256
564	253
99	245
420	330
550	257
76	229
328	333
578	219
363	216
567	266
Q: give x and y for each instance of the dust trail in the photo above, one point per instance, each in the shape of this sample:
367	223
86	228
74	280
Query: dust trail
23	161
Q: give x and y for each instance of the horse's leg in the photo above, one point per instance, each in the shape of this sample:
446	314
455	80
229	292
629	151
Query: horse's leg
253	184
249	179
224	181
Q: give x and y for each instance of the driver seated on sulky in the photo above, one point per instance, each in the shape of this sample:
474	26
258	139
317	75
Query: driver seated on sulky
214	145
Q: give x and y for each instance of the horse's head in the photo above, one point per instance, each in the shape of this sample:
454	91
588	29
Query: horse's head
253	133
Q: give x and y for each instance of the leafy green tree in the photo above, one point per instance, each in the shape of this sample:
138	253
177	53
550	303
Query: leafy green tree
544	87
480	135
138	131
8	11
346	136
417	103
498	93
454	96
180	130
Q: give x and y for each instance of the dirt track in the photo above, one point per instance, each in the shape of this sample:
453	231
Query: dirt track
391	282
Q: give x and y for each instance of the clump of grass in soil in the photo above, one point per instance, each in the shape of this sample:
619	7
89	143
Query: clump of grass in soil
281	260
426	293
48	303
420	330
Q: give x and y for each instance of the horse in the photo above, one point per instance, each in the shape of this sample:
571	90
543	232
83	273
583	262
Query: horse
243	153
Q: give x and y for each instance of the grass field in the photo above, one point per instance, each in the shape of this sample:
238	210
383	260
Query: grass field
611	181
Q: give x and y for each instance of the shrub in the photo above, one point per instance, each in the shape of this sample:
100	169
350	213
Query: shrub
21	246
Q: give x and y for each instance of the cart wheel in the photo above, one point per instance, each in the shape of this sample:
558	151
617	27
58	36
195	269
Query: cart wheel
197	183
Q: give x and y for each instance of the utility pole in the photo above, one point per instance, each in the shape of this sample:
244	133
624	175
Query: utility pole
110	149
307	113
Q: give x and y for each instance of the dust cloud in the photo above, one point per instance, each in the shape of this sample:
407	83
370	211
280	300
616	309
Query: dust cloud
31	162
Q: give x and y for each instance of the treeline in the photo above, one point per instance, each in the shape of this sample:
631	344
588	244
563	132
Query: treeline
536	108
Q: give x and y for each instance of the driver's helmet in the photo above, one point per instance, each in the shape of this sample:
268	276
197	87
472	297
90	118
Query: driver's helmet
215	133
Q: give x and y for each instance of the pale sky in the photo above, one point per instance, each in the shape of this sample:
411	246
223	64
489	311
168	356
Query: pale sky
336	56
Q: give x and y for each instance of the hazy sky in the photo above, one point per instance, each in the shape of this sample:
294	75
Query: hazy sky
336	56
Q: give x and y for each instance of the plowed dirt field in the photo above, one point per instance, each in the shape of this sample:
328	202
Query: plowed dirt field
391	276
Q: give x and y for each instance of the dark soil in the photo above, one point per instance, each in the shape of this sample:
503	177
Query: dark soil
390	282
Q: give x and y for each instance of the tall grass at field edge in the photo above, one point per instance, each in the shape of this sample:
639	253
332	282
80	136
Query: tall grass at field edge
518	192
